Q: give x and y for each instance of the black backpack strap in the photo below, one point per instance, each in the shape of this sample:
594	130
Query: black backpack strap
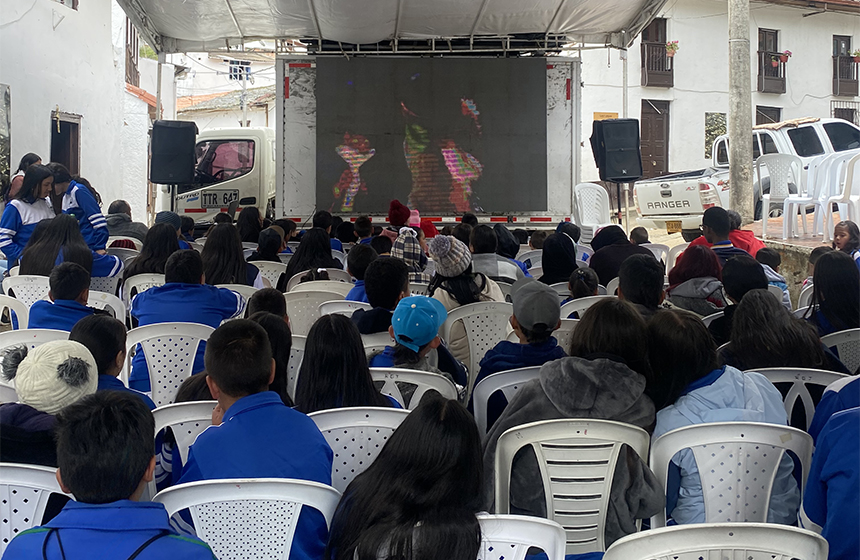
152	539
59	543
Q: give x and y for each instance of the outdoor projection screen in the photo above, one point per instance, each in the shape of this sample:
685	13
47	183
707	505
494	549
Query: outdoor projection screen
441	135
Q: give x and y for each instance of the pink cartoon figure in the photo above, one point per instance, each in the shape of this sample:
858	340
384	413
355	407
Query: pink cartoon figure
355	151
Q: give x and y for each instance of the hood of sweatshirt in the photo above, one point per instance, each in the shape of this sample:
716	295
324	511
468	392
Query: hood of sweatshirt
697	288
114	220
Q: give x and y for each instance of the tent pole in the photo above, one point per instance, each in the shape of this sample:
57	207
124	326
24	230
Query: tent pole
158	108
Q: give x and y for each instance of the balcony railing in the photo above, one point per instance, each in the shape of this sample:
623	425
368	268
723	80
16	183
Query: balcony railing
844	76
657	67
771	79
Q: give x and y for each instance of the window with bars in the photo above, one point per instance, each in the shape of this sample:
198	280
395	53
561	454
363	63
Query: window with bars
132	54
240	70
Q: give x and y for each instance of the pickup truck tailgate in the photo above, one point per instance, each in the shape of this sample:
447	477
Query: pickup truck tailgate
671	194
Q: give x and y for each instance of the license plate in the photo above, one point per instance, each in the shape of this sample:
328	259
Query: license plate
673	227
218	199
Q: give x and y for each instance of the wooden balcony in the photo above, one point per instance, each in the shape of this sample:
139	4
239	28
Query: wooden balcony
844	76
657	67
771	79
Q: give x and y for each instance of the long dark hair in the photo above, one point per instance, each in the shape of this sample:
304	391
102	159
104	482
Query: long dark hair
248	224
680	351
313	252
583	283
48	238
853	236
281	340
160	242
63	175
27	160
612	327
419	498
223	259
334	372
836	291
33	178
558	258
766	334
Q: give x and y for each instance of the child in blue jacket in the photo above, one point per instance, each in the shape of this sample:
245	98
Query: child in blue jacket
80	202
25	211
69	290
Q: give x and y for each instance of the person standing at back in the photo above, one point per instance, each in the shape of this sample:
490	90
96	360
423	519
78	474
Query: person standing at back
29	207
79	201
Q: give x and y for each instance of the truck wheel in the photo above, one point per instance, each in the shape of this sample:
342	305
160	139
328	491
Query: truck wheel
690	234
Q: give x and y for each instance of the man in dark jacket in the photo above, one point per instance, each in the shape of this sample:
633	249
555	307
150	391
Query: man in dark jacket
611	248
119	221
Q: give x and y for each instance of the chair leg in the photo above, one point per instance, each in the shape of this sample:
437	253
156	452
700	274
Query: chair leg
787	225
765	212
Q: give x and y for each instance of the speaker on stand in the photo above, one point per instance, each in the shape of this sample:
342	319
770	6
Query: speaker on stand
617	154
172	158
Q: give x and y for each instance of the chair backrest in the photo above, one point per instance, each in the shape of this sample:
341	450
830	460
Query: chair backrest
393	380
249	245
536	271
137	284
420	288
564	333
342	307
731	456
849	189
285	257
576	458
340	256
14	271
169	350
672	257
28	289
506	288
805	297
242	289
187	420
356	436
534	255
297	354
800	379
562	289
711	318
303	308
775	291
580	305
814	170
334	275
781	168
21	310
592	204
8	394
508	382
750	541
334	286
138	244
249	518
376	343
509	537
24	493
106	284
196	246
800	312
661	251
612	286
271	271
486	325
29	337
847	346
108	302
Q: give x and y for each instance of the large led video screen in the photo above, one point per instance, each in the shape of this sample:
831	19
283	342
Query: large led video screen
442	135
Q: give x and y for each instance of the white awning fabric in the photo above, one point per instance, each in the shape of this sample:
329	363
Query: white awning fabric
207	25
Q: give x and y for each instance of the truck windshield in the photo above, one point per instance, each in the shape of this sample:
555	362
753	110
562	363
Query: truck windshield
221	160
805	141
843	136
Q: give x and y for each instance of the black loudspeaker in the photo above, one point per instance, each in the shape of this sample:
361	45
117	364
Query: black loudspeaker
615	144
172	161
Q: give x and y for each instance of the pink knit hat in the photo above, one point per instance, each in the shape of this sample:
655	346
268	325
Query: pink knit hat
414	218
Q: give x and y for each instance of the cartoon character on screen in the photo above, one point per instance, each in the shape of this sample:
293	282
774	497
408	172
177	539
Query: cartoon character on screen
355	151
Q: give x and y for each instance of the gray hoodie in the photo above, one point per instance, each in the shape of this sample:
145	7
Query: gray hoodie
699	295
579	388
120	225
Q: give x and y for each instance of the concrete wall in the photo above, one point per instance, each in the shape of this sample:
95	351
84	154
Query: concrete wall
230	117
701	72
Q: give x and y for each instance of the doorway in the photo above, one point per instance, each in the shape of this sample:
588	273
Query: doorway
655	138
66	140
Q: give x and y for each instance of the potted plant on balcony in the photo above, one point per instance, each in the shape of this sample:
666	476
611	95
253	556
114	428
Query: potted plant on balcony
671	48
774	61
856	55
783	56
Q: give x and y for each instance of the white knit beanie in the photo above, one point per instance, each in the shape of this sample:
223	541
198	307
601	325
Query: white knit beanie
52	375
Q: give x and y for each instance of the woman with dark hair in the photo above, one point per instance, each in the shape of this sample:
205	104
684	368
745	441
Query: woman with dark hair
558	259
281	340
582	283
695	282
611	247
18	177
418	499
313	252
835	304
59	240
602	379
765	334
689	388
24	211
82	201
249	224
334	372
160	242
224	260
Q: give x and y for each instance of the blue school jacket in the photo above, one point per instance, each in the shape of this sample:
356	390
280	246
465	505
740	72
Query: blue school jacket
104	266
61	315
186	303
80	203
830	501
17	225
357	293
112	531
261	438
839	395
111	383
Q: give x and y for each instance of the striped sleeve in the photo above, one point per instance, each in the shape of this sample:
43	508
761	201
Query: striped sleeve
10	223
87	202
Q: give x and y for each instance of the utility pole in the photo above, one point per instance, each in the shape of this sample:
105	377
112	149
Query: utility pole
244	96
740	111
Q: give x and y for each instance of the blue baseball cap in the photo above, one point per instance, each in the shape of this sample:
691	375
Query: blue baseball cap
416	321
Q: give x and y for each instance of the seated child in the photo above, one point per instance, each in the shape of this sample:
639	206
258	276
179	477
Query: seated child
382	245
70	288
740	275
269	300
638	235
386	282
357	261
105	337
105	456
363	230
184	297
640	282
846	238
810	265
537	238
770	261
583	283
253	434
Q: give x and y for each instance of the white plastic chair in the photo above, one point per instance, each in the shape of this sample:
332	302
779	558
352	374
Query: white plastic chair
303	308
343	307
21	310
356	436
196	246
561	334
138	244
249	518
847	197
169	350
508	382
535	256
776	292
297	354
249	245
24	493
800	312
30	338
108	302
592	209
106	284
14	271
612	286
711	318
8	394
28	289
536	271
577	463
847	345
731	456
816	177
342	289
186	420
242	289
285	257
562	289
423	380
661	252
334	275
419	288
781	168
271	271
673	255
375	343
125	254
805	297
506	290
749	541
509	537
486	324
137	284
340	256
580	305
800	379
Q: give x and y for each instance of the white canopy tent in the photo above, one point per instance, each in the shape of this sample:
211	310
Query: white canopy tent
209	25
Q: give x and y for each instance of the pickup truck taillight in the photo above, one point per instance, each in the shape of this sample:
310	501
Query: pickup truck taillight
707	195
723	184
636	202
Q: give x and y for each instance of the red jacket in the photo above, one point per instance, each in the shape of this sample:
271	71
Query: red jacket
740	238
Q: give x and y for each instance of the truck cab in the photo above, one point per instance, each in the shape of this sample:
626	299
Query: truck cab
233	165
